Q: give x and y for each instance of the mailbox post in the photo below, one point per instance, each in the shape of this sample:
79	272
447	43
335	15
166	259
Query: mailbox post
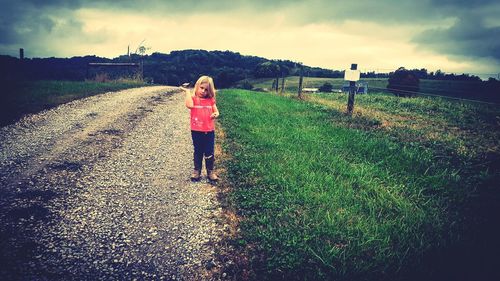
352	75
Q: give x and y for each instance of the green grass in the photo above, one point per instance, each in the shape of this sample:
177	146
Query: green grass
460	89
466	128
18	99
327	196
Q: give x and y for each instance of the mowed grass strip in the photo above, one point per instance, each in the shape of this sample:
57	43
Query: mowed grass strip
322	201
20	98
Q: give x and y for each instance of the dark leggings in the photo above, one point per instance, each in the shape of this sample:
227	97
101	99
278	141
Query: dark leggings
203	147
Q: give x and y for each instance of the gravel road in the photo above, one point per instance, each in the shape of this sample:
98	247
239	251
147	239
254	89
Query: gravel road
99	189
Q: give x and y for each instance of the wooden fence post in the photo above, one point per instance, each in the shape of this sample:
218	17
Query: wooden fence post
300	81
352	92
282	83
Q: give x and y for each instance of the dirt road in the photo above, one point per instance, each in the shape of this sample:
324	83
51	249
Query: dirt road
99	189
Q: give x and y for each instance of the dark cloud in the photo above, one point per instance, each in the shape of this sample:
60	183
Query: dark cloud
30	24
468	37
403	11
22	21
475	32
7	35
461	4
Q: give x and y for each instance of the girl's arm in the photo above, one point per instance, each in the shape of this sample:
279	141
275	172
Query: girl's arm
215	111
189	98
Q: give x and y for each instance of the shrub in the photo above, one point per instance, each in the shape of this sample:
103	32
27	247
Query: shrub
403	83
101	77
246	85
326	88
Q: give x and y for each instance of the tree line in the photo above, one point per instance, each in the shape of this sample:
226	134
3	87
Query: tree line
178	67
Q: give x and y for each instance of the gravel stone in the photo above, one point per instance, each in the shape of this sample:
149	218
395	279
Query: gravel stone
99	188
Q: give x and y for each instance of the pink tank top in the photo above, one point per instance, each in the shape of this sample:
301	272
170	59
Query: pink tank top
200	115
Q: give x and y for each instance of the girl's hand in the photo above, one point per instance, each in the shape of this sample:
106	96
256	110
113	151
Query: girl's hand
184	87
187	92
214	115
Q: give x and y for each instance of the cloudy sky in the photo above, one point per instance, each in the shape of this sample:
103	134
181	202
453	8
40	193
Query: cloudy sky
454	36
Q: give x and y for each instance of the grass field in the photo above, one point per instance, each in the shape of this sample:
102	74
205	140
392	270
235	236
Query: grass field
18	99
404	189
482	91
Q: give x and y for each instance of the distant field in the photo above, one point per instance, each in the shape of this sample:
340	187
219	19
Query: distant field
460	89
405	189
21	98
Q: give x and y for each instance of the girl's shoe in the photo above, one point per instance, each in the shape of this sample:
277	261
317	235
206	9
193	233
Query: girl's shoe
212	176
196	176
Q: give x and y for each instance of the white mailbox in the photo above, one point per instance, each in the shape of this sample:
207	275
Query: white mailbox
352	75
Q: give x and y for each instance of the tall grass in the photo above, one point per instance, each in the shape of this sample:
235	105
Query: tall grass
467	128
322	199
20	98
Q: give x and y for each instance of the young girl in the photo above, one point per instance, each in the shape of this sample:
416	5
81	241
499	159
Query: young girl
201	102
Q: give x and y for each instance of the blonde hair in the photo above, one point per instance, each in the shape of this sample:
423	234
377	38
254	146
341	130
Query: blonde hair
211	86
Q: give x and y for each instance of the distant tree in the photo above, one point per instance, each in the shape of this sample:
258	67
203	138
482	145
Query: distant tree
403	83
369	74
226	77
285	70
326	87
223	79
439	75
267	70
246	85
173	79
421	73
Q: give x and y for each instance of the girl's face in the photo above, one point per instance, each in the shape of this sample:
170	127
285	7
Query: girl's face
202	90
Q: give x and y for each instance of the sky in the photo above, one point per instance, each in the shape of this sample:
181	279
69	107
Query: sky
461	36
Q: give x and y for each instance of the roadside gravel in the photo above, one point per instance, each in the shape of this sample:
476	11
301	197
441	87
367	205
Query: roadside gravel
99	189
